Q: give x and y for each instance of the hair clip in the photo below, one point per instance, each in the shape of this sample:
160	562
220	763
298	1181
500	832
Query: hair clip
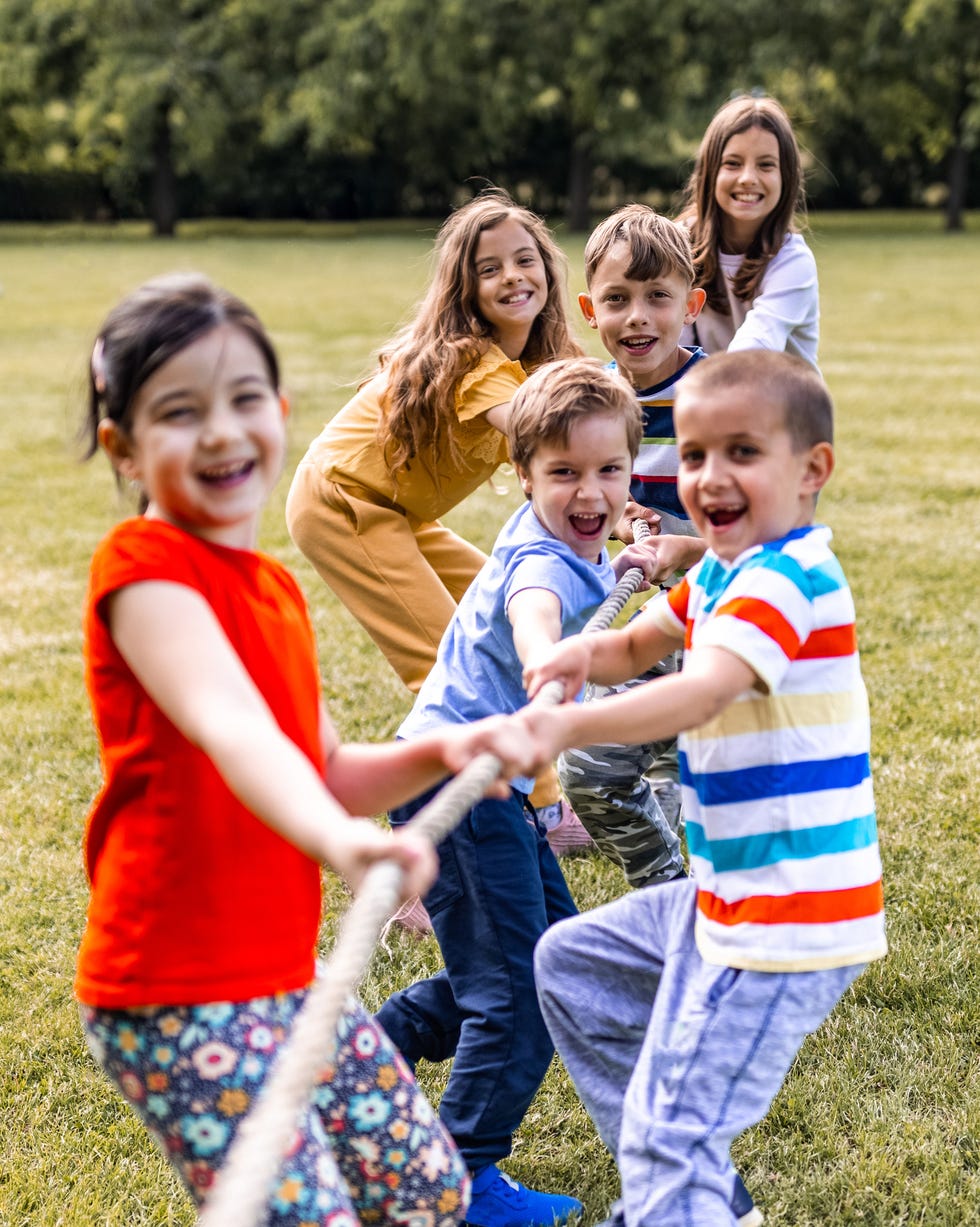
98	365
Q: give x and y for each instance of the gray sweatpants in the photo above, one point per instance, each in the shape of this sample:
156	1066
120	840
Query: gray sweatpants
673	1057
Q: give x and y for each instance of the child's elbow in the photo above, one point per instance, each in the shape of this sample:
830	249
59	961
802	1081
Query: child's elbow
708	701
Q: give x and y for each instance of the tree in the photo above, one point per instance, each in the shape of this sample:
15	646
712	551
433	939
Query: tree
899	77
159	96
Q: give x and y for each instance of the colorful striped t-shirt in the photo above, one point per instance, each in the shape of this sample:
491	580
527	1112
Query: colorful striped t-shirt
777	789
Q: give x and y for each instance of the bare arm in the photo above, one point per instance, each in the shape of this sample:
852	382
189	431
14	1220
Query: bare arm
606	657
711	679
498	415
367	779
535	618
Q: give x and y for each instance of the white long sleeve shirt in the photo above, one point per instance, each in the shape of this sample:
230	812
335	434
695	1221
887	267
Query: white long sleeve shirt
784	315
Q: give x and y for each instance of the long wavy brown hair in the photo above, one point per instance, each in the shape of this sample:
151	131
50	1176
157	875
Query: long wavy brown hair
448	336
703	215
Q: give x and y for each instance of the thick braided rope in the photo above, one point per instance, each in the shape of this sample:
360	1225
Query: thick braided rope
243	1188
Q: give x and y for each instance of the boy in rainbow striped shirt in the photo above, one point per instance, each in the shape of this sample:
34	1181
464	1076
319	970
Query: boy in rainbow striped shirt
695	996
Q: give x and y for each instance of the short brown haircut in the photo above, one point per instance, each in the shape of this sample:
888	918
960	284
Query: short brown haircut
559	394
658	246
808	411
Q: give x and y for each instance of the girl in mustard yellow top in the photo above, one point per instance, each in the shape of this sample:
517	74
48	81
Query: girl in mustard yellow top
426	431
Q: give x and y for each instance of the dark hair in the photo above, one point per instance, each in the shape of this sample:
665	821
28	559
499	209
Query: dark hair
702	214
548	404
145	330
784	379
658	246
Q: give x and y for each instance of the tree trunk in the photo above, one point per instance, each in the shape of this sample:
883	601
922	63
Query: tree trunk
956	184
163	180
580	184
959	154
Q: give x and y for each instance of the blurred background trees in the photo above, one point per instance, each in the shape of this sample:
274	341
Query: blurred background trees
378	108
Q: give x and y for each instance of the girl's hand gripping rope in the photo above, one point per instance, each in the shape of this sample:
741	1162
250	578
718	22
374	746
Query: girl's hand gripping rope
501	738
356	846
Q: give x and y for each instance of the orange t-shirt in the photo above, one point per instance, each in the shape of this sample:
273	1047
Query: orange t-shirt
193	898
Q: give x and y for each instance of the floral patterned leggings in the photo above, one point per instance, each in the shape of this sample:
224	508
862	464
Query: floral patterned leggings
370	1149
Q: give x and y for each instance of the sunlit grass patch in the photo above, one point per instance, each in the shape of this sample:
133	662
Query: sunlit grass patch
879	1122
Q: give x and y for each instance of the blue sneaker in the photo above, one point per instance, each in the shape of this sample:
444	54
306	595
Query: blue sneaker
500	1201
747	1213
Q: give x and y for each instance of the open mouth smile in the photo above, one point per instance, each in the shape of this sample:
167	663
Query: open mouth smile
227	474
721	517
588	526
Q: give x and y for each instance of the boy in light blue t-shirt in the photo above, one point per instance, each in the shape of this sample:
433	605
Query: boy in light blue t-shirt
573	431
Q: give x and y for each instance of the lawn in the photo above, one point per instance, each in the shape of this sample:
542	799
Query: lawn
879	1122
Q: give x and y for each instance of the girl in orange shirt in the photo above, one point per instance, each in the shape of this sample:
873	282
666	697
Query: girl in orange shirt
205	843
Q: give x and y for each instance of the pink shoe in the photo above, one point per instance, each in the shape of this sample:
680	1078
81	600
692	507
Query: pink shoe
569	836
413	917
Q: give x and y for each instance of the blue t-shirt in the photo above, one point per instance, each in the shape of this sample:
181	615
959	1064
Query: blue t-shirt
477	671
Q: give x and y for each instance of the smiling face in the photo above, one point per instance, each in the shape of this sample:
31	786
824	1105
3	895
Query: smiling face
512	284
207	440
739	477
748	185
640	322
578	489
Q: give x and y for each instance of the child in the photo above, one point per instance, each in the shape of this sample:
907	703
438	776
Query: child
425	432
740	204
639	276
679	1011
205	843
573	430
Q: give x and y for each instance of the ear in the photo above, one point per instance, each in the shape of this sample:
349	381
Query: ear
117	445
525	479
819	466
695	301
284	405
585	302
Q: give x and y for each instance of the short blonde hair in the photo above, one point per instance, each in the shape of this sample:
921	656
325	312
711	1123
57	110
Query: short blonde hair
658	246
559	394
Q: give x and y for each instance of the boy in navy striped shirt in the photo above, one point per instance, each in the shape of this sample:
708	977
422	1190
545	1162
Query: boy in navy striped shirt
697	995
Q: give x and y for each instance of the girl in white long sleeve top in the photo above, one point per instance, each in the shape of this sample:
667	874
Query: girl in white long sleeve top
740	207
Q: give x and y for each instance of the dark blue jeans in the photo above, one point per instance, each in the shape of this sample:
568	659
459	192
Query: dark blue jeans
499	887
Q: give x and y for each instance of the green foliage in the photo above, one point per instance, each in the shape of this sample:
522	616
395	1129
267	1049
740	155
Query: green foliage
330	108
878	1123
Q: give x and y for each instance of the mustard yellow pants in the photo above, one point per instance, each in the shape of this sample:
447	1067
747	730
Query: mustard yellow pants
400	577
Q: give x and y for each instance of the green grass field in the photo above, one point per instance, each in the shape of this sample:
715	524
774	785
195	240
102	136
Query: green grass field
879	1122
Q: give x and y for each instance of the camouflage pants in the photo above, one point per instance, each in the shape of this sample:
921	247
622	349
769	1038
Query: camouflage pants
628	797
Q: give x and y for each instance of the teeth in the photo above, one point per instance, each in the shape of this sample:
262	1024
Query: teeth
226	470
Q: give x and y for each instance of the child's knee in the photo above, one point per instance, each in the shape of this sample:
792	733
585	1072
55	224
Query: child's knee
551	952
